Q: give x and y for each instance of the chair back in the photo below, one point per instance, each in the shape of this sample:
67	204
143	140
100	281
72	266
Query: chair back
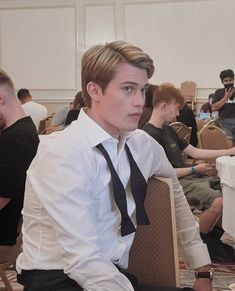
183	131
214	138
44	124
189	92
153	256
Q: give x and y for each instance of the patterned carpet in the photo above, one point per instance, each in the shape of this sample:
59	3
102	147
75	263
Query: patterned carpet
224	274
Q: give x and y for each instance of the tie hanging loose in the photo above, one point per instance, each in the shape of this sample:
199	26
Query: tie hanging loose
138	188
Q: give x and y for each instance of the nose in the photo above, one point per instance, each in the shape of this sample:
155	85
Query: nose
139	99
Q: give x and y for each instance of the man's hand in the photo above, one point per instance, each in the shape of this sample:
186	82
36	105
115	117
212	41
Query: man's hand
203	285
203	168
228	93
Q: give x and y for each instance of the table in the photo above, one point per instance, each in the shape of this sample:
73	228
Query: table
226	171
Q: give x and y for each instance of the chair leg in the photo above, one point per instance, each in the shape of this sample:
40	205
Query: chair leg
5	280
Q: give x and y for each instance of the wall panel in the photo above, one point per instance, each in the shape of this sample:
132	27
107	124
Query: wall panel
99	24
39	47
187	39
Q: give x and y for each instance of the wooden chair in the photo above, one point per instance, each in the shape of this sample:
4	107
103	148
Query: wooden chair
214	138
10	261
189	91
184	132
154	254
45	123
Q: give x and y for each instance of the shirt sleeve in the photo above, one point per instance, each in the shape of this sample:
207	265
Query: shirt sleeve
193	249
64	183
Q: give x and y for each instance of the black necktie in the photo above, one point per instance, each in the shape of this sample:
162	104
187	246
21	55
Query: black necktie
138	188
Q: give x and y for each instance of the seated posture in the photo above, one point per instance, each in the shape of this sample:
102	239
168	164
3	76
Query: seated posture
224	102
202	192
18	146
66	114
35	110
85	189
206	107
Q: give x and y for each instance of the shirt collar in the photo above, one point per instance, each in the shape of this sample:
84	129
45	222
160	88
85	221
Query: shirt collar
94	133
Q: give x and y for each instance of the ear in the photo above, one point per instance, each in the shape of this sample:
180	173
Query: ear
94	91
163	106
2	99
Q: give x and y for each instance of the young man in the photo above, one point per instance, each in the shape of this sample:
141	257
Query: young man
76	233
18	146
224	102
35	110
197	186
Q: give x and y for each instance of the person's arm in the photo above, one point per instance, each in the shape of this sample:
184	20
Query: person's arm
194	251
207	154
227	94
202	169
3	202
70	196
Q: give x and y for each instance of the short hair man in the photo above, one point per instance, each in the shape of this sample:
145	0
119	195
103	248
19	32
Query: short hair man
224	102
18	146
35	110
167	101
70	213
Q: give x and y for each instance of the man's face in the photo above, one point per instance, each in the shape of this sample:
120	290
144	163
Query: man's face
119	107
227	80
171	111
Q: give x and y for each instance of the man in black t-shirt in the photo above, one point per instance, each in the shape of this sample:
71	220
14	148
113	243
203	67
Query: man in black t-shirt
18	145
196	184
224	102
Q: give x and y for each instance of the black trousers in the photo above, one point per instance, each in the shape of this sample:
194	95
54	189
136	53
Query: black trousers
56	280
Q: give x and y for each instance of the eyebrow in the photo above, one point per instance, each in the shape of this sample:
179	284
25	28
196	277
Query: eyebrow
134	83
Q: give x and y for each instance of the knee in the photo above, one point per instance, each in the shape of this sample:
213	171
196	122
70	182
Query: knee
217	205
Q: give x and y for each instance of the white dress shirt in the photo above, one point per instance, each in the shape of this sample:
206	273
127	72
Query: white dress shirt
71	221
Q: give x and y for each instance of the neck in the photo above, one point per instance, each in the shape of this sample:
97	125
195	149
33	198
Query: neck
156	119
14	113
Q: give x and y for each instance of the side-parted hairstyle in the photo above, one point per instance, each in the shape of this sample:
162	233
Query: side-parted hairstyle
5	80
226	74
99	64
167	94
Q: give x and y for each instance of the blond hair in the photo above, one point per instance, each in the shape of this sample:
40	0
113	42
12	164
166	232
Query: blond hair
99	64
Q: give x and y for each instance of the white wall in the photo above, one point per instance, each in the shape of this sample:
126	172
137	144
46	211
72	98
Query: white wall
41	42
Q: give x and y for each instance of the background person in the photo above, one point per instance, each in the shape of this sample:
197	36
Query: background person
202	192
33	109
18	146
224	103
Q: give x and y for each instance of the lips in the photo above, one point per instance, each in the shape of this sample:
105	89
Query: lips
135	114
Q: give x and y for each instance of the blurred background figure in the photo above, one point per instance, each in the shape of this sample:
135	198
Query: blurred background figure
148	107
35	110
206	107
186	116
65	115
74	112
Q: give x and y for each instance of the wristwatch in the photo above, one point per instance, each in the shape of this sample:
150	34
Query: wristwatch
207	274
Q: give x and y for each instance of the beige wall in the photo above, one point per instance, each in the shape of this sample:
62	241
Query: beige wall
41	42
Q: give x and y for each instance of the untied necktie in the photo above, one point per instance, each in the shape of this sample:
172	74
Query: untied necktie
138	189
